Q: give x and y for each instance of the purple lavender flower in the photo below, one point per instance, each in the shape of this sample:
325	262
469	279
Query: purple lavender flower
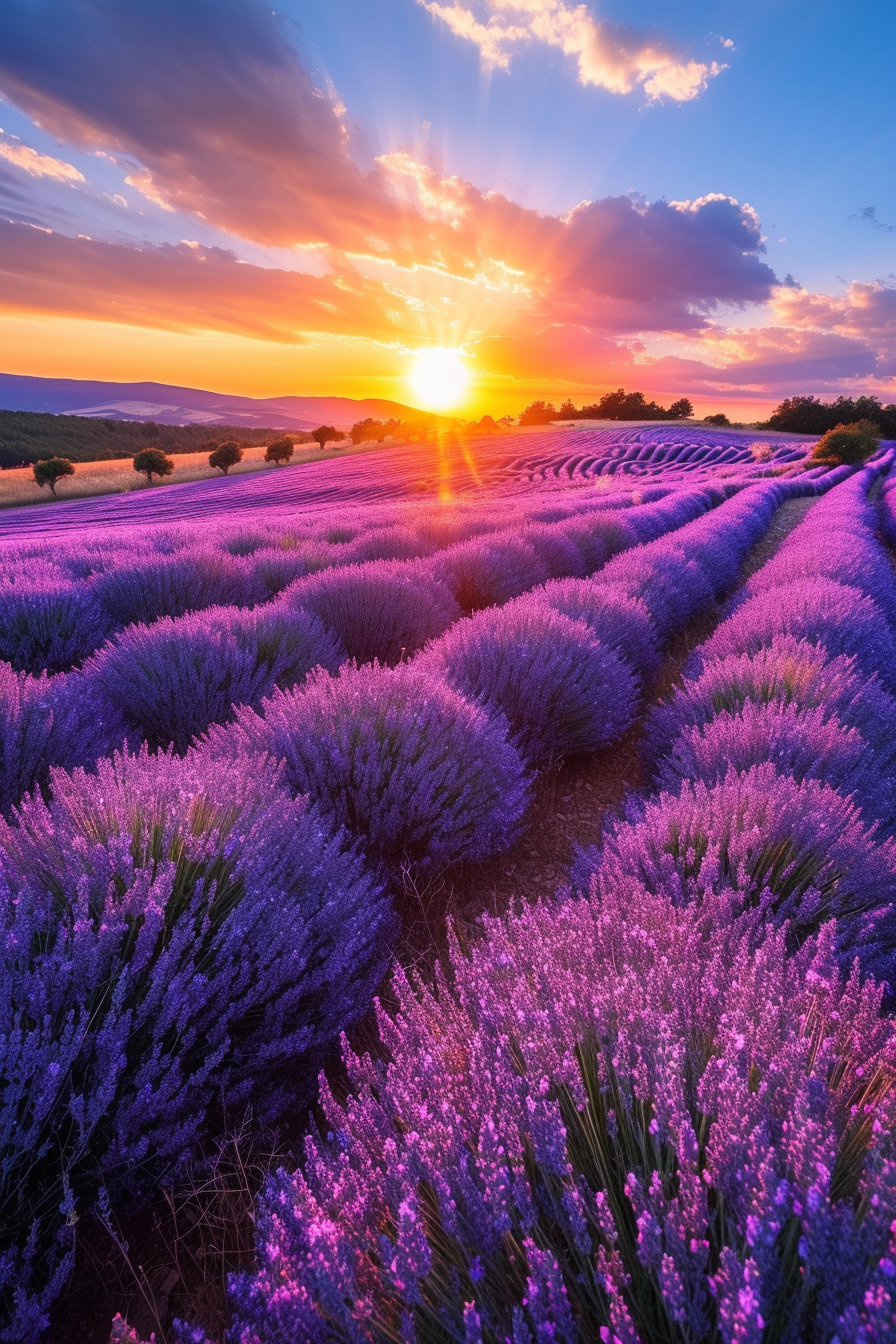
613	1121
398	758
560	690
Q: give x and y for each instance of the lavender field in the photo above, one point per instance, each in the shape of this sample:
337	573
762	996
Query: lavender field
281	760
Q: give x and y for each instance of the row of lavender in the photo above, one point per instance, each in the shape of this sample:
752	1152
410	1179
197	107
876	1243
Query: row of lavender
166	678
178	928
664	1109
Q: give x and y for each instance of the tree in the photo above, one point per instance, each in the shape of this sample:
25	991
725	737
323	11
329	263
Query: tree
808	415
568	410
279	452
849	444
538	413
51	470
153	462
720	418
681	409
324	434
225	456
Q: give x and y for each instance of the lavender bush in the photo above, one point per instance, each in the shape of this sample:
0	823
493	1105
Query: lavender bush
172	933
49	721
402	761
621	1121
488	571
560	690
786	671
170	680
619	621
378	610
801	743
798	851
840	619
48	626
171	585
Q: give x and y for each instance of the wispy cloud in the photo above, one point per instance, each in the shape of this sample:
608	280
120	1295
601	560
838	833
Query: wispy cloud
608	56
868	215
36	164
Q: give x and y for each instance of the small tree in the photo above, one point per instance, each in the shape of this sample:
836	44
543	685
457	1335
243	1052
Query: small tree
153	462
225	456
324	434
681	409
538	413
279	452
720	418
848	444
51	471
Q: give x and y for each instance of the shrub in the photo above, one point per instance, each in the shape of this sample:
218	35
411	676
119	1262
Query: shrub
598	536
719	419
172	585
619	621
49	721
798	851
560	690
274	568
597	1130
170	680
172	935
389	543
786	671
225	456
52	470
837	617
49	626
486	571
848	444
801	743
556	549
399	759
153	462
378	610
279	452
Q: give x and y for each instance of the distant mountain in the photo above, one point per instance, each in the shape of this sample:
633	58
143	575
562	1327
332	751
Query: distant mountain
171	405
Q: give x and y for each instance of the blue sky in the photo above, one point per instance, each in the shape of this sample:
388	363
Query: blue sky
439	170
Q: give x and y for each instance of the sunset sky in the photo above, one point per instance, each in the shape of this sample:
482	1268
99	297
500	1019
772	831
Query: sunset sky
695	199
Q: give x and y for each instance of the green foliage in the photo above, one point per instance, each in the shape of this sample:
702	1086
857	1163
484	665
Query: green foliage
32	436
539	413
618	405
848	444
808	415
279	452
51	471
377	430
720	418
225	456
324	434
153	462
681	410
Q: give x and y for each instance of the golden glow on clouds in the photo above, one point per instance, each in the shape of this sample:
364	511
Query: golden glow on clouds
439	380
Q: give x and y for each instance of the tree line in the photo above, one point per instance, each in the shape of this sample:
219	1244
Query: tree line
30	436
618	405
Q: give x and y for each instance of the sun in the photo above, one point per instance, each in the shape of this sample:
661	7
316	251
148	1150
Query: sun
440	378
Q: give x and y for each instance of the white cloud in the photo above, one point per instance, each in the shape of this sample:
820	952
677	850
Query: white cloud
39	165
608	57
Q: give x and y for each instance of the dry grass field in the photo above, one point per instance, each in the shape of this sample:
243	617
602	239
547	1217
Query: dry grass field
17	484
